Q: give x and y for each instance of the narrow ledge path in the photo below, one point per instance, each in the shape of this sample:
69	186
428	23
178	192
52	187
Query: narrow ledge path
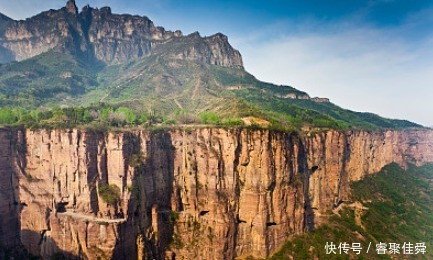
91	218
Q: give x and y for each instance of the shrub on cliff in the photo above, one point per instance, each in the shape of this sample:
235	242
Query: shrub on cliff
136	160
209	118
396	207
109	193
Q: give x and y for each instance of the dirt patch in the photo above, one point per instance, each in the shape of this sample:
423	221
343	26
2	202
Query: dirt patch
255	121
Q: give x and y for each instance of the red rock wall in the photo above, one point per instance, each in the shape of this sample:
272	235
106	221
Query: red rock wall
206	193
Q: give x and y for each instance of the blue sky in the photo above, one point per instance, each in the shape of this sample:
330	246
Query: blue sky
373	55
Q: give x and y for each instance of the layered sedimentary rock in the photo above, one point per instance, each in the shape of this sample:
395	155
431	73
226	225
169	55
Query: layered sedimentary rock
104	36
205	193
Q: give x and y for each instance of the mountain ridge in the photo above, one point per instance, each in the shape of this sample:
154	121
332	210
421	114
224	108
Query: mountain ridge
99	34
67	58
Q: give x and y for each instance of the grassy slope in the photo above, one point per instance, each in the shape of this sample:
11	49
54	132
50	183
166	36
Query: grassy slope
400	209
163	84
166	84
48	78
265	97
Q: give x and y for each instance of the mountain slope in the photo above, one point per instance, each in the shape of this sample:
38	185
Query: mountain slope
198	86
164	84
65	58
45	79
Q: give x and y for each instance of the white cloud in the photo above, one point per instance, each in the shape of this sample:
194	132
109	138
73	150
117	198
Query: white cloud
362	69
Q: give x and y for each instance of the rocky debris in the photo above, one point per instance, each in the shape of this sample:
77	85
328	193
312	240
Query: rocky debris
205	193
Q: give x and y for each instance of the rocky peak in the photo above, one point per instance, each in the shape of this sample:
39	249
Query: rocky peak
219	36
86	8
71	7
195	35
106	10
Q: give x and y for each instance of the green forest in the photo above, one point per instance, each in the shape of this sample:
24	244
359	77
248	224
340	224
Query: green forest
104	116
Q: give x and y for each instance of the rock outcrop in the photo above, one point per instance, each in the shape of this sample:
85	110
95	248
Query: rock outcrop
320	100
99	34
204	193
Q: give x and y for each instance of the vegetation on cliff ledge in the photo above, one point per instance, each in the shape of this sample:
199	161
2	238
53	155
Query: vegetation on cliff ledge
397	208
104	116
110	193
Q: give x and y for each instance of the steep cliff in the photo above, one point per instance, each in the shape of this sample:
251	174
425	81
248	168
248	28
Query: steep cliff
98	34
204	193
9	193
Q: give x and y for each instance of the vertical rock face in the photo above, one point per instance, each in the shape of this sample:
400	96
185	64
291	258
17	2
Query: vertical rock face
205	194
9	195
336	159
99	34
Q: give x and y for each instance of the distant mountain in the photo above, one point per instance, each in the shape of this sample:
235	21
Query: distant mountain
70	58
